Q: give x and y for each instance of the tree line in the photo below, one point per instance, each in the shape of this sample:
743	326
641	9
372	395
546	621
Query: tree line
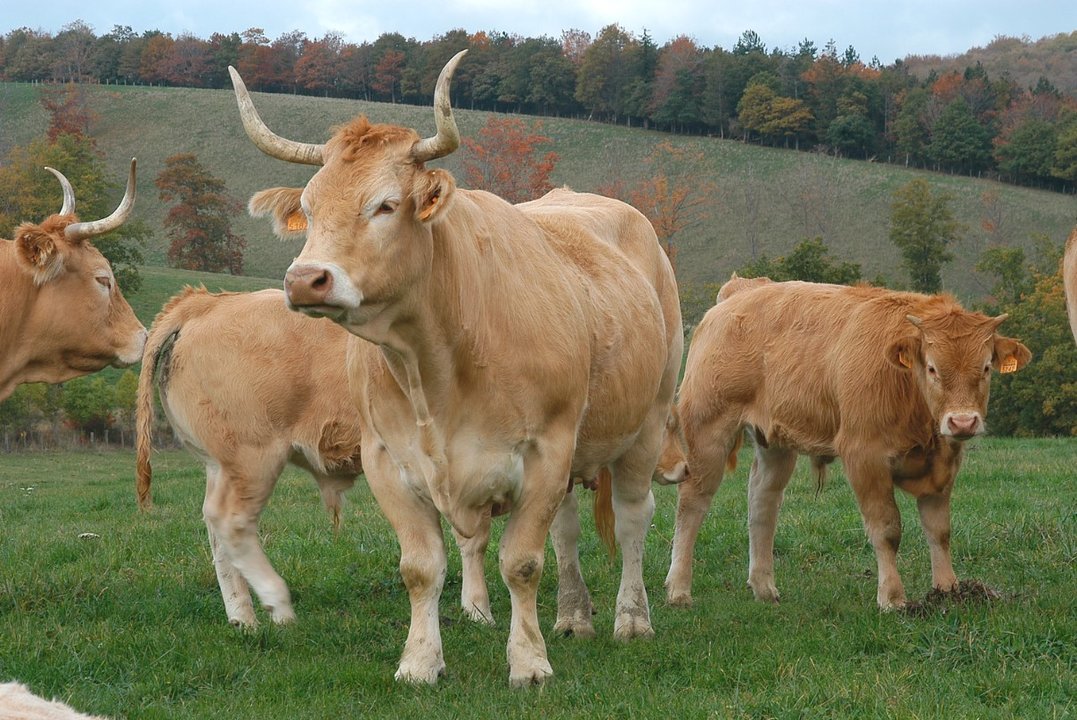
806	97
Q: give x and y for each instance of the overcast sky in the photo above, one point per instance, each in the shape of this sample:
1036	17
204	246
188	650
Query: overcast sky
888	30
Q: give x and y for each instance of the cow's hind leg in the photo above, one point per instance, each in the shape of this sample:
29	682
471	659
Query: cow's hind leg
234	590
574	607
770	473
710	447
231	511
474	595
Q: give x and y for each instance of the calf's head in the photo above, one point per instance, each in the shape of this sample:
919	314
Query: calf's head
367	213
951	355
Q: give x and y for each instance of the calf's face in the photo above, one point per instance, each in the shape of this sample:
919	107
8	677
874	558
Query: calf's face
951	357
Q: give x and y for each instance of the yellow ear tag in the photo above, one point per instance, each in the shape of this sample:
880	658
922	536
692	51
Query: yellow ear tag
904	360
1008	365
296	221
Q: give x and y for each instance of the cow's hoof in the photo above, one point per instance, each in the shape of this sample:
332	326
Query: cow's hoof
574	627
420	673
282	616
482	616
766	593
530	674
630	626
679	598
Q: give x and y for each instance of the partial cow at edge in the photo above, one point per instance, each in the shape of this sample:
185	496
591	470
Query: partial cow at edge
249	387
1069	280
514	350
893	383
61	313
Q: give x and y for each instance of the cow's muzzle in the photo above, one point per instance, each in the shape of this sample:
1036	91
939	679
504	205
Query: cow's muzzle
962	425
308	286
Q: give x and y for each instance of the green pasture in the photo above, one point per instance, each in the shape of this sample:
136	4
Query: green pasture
763	197
129	623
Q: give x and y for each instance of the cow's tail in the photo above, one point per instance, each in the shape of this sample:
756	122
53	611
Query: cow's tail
162	334
603	511
731	460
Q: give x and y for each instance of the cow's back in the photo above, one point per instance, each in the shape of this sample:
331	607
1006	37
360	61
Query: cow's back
804	363
629	290
244	371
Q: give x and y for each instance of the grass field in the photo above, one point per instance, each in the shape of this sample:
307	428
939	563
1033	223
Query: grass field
777	197
130	623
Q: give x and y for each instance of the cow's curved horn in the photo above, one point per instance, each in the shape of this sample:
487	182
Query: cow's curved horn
69	193
448	137
915	321
83	230
265	139
996	321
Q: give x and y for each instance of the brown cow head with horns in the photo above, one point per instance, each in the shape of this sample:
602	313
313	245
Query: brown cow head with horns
368	212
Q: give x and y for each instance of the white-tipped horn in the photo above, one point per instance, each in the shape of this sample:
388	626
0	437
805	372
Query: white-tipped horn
83	230
69	193
265	139
448	135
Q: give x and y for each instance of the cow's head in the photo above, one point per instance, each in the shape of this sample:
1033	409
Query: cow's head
367	213
951	354
77	320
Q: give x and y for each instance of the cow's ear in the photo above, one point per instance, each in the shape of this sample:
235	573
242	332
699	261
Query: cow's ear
905	352
433	191
1010	355
281	204
39	252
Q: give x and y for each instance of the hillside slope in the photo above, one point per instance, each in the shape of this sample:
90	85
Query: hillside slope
770	197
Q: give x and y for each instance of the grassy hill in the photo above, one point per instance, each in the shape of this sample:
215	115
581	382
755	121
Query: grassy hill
770	197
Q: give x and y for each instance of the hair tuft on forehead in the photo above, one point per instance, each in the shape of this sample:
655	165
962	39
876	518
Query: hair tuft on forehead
360	135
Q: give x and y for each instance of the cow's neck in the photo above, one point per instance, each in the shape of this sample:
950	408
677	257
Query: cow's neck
17	293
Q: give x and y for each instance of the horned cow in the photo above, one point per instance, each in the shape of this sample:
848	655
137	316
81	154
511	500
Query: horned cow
892	383
512	350
61	313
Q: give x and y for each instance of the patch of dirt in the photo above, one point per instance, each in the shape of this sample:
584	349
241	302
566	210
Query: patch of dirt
967	592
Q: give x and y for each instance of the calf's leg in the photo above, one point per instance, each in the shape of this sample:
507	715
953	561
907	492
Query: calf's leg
874	489
234	590
935	520
769	476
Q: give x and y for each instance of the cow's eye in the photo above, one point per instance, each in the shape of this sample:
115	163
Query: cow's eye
105	281
987	369
386	208
932	371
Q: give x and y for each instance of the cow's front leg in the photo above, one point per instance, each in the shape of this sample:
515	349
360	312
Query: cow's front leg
474	596
574	607
935	519
874	490
422	565
546	466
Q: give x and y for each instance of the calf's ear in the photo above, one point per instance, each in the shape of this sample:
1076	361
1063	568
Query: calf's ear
432	192
904	353
282	205
1010	355
39	252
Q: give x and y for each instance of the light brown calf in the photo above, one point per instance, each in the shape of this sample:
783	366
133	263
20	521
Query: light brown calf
61	313
249	386
893	383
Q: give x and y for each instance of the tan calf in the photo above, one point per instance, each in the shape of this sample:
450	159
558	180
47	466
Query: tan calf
893	383
61	313
249	387
1069	280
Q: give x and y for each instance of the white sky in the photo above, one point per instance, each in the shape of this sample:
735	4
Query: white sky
889	30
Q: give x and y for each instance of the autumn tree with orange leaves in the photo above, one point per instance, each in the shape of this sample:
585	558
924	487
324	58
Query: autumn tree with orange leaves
675	193
505	159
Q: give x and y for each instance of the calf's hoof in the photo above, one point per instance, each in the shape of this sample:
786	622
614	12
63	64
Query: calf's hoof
629	626
573	626
420	673
529	674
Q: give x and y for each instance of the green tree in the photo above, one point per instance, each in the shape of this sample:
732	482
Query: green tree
1064	166
922	225
1012	278
199	224
809	261
27	192
958	140
1029	152
1042	398
87	402
125	395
